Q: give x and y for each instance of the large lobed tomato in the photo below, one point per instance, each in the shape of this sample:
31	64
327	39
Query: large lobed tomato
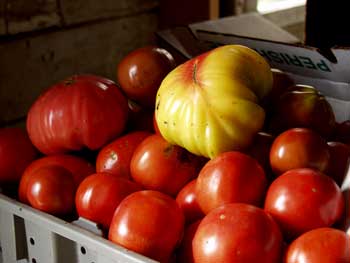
80	168
304	199
230	177
16	153
78	112
115	157
148	222
321	245
158	165
237	233
99	195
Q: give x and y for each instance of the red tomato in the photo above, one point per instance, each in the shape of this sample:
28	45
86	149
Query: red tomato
140	73
339	161
16	153
159	165
51	189
230	177
81	111
238	233
148	222
79	168
185	251
99	194
304	199
321	245
115	157
187	201
299	148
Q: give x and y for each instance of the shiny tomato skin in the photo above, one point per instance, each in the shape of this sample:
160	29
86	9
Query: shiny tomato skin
79	167
99	194
16	153
187	200
82	111
115	157
141	71
230	177
148	222
159	165
321	245
237	233
299	148
339	161
51	189
304	199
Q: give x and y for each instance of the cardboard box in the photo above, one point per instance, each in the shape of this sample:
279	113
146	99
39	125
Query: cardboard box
327	71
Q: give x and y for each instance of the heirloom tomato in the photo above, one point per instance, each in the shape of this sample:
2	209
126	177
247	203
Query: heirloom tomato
210	104
82	111
148	222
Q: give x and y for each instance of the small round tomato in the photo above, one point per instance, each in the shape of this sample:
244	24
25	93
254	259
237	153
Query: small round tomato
230	177
304	199
148	222
115	157
141	71
51	189
16	153
185	252
299	148
239	233
159	165
99	195
339	161
187	201
321	245
80	168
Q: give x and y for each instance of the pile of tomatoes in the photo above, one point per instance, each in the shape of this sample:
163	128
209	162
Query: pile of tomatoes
92	149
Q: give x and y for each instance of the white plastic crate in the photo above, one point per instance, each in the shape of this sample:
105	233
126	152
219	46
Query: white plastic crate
31	236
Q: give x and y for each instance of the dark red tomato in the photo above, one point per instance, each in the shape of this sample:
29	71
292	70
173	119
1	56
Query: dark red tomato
187	201
148	222
16	153
82	111
51	189
99	194
115	157
339	161
322	245
342	132
80	168
141	71
238	233
304	199
185	251
230	177
159	165
299	148
140	118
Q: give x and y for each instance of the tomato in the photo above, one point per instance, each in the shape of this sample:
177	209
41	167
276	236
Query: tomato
321	245
51	189
299	148
304	199
148	222
238	233
185	251
159	165
187	200
231	177
339	161
99	194
115	157
79	168
141	71
344	223
16	153
82	111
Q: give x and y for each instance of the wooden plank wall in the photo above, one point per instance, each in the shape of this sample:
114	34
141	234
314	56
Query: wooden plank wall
44	41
